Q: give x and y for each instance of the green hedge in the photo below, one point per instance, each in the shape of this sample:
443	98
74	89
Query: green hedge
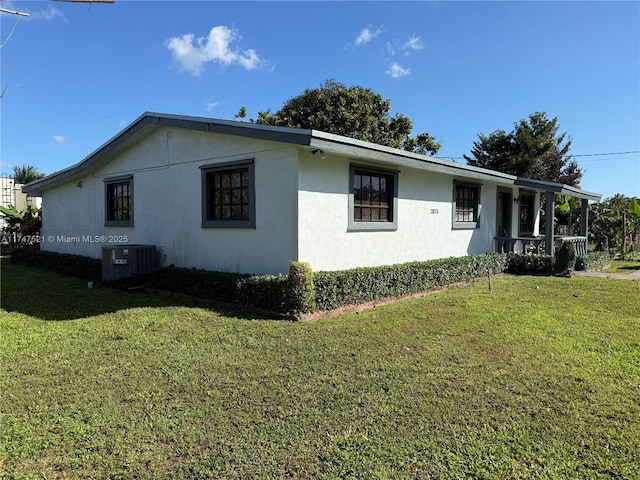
522	263
74	265
265	292
303	291
360	285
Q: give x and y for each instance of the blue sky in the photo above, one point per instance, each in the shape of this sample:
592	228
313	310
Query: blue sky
76	73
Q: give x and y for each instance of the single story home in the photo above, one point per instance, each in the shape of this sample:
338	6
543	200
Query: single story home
242	197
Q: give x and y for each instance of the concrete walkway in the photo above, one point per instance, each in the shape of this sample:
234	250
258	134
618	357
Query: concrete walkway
623	276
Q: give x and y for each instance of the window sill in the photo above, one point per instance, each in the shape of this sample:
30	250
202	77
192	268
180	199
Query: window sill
229	224
372	227
118	224
465	226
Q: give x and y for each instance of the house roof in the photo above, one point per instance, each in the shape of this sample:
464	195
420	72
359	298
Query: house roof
557	188
313	139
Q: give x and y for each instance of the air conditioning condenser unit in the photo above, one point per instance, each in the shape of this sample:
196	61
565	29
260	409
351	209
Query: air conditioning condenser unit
124	261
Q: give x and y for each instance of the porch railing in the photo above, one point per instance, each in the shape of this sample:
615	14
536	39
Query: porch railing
580	243
528	245
536	245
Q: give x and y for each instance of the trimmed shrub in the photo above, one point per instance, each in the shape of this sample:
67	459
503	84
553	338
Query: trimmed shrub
74	265
603	244
301	291
215	286
361	285
264	292
522	263
566	257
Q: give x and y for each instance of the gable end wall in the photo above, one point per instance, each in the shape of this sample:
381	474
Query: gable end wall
167	204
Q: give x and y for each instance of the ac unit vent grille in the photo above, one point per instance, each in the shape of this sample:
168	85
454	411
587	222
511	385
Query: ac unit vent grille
123	261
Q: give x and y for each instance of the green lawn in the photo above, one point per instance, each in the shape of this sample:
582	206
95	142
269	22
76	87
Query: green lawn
539	379
623	266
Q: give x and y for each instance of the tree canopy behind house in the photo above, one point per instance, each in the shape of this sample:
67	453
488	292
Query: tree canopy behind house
533	149
354	112
26	173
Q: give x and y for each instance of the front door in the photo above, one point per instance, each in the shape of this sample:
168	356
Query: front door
503	219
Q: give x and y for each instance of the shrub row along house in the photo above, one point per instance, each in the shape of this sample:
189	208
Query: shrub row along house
248	198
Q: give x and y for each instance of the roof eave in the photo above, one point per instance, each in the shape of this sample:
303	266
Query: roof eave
151	120
373	152
559	188
337	144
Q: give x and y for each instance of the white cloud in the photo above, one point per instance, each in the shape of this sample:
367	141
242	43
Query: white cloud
192	54
210	106
414	43
59	139
121	123
396	71
395	46
366	35
49	13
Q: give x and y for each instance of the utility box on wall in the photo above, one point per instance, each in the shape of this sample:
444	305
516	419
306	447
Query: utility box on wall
124	261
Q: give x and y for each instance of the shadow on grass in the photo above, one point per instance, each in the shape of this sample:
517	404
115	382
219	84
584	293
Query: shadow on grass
630	268
50	296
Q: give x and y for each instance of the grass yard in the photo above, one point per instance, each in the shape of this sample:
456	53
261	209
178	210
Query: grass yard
623	266
539	379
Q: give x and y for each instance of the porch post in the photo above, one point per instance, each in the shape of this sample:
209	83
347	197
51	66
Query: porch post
584	223
550	222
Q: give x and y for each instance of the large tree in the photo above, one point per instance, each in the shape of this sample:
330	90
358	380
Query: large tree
533	149
354	112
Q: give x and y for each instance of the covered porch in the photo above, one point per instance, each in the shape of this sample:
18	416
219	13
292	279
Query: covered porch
519	218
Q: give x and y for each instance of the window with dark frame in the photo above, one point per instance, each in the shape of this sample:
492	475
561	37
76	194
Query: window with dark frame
526	222
372	197
466	205
119	202
228	195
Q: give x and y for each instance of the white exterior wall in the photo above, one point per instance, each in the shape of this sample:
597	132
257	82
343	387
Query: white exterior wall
167	200
424	215
302	209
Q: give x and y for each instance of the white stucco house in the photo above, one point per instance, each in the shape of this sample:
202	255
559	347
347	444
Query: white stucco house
241	197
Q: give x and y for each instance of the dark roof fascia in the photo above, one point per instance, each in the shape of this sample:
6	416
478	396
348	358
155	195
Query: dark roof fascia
392	156
345	146
89	163
150	121
296	136
560	188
